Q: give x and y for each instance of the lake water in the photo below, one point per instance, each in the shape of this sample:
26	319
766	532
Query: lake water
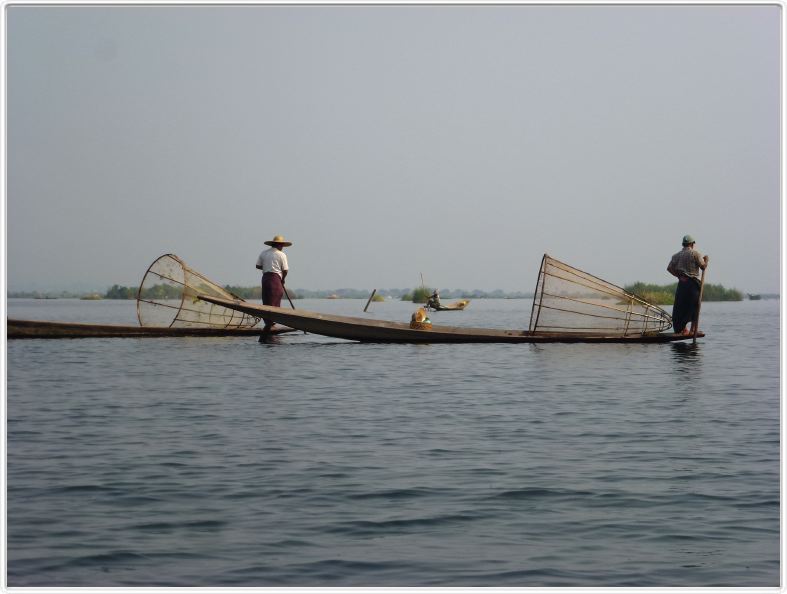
318	462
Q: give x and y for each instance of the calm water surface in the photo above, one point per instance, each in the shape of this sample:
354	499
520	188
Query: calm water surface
317	462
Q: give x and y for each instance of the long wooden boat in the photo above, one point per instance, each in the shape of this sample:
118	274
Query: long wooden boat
364	330
46	329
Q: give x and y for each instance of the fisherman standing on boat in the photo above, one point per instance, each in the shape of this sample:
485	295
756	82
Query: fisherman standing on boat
273	263
686	265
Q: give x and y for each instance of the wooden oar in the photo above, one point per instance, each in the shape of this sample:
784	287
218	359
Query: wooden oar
290	300
699	306
370	300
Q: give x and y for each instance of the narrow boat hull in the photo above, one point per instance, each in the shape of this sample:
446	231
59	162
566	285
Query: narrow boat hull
364	330
47	329
457	306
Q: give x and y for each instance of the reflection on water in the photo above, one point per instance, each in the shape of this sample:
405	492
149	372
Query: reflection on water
269	339
686	355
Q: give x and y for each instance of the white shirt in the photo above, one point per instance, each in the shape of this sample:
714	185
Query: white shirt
273	260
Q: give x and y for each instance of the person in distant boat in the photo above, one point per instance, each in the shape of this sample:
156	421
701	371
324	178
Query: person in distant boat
273	263
434	300
686	266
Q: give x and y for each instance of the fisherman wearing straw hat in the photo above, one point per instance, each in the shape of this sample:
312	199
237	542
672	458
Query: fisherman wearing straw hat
686	265
273	263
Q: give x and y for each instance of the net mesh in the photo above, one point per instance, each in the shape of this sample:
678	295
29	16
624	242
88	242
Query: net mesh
569	300
168	293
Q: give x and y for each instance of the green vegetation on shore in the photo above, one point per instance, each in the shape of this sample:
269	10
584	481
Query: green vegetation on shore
419	295
665	294
118	292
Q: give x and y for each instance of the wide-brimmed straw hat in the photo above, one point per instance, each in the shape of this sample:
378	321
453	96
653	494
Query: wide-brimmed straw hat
278	240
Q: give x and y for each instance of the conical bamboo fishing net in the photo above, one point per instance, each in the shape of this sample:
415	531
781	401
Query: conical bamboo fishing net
569	300
168	293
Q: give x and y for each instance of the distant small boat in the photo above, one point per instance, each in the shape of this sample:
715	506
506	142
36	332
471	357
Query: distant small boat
455	306
47	329
754	297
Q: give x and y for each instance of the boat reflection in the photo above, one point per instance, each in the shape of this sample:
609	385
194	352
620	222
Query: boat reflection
269	338
686	355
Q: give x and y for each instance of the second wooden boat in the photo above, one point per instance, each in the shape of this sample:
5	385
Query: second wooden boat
47	329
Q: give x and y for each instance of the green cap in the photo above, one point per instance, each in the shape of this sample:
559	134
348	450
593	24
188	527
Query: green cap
688	240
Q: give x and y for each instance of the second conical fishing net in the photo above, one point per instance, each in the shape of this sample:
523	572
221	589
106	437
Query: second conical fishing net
568	300
168	294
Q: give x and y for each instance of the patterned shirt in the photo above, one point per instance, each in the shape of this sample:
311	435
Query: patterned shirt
686	262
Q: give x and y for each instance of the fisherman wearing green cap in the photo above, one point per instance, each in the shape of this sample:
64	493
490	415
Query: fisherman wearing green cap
686	265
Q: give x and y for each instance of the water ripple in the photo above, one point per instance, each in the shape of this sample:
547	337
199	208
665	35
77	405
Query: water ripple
178	462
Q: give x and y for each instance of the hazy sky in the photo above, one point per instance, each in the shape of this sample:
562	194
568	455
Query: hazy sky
461	142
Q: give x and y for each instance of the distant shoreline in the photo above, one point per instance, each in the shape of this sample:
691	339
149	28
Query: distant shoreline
251	293
294	294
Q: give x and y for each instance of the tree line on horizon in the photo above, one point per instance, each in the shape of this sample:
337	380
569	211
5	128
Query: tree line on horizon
165	291
653	293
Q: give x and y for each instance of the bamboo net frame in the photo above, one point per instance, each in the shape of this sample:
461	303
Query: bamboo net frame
167	297
568	300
